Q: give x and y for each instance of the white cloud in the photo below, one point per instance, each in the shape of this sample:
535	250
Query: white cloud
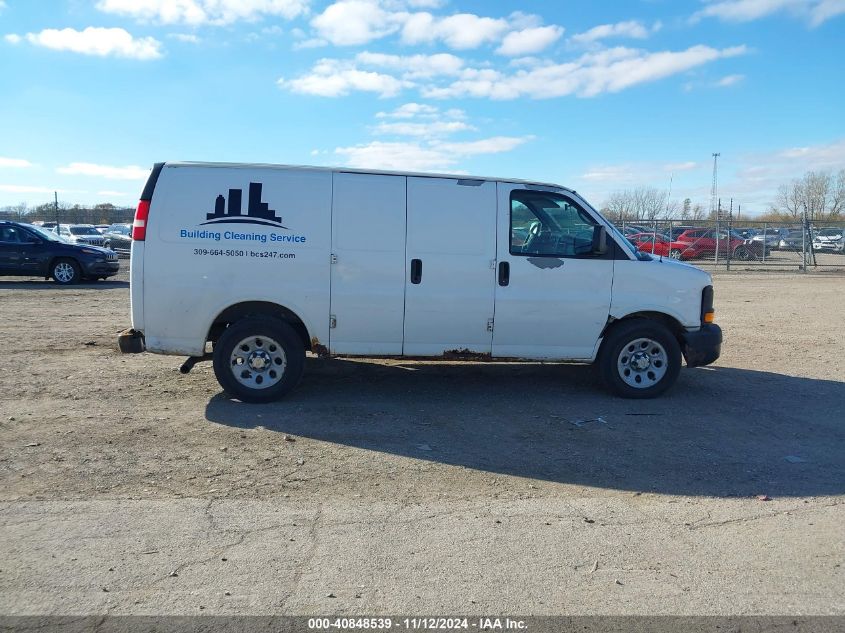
425	148
427	130
685	166
333	78
417	156
632	29
825	156
607	70
414	66
610	70
460	31
355	22
188	38
6	162
130	172
13	38
730	80
410	111
197	12
421	120
825	10
529	41
815	11
114	194
97	41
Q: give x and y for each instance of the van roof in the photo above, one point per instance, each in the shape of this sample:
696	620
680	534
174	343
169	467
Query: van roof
349	170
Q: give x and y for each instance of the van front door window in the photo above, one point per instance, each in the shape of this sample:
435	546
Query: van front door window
548	225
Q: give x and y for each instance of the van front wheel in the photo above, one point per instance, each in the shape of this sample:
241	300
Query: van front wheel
259	359
640	358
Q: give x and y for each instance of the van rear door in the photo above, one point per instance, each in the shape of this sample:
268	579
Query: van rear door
449	284
368	269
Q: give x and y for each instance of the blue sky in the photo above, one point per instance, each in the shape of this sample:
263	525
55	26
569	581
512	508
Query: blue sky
599	96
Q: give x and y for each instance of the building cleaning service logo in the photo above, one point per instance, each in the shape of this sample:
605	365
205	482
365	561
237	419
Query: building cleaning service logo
257	212
230	212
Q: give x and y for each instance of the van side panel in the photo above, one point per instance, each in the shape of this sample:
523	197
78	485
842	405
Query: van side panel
368	279
218	236
452	234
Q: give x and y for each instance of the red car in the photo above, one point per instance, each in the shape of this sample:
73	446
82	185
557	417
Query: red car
704	241
659	244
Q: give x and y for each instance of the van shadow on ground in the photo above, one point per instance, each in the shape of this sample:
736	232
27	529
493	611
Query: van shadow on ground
720	431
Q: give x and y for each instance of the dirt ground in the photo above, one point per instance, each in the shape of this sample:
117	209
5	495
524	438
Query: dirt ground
398	487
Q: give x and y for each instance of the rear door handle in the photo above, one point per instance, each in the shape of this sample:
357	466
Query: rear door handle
416	271
504	273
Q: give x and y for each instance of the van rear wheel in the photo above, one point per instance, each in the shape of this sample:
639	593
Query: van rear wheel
259	359
640	359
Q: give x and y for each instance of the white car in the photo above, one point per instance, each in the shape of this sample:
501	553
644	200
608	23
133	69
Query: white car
267	262
829	239
80	234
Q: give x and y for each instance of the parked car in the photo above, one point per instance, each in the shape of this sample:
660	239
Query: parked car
706	240
118	237
792	241
27	250
829	240
675	231
660	244
770	236
267	262
81	234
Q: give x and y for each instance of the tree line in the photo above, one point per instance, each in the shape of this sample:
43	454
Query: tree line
104	213
818	195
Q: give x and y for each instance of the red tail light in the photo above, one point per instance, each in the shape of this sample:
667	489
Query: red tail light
139	227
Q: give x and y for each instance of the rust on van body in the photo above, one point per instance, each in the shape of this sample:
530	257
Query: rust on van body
318	348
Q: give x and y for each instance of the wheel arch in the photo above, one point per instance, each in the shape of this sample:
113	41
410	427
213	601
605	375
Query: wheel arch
238	311
671	322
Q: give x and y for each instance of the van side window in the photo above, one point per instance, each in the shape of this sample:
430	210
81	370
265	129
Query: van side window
548	225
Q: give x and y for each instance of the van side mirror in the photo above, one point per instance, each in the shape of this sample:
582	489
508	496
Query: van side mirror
599	240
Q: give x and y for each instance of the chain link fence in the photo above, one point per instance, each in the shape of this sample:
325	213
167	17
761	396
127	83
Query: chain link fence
742	245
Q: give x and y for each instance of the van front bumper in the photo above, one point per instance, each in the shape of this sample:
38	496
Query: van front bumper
702	347
131	342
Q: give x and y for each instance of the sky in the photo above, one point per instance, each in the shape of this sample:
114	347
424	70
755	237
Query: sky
598	96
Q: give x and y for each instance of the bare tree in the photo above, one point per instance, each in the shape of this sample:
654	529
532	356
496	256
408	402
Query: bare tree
818	194
642	203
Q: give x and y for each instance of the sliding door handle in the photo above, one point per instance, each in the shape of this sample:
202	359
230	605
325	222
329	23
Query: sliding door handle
504	273
416	271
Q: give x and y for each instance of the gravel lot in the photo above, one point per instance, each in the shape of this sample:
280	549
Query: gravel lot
415	487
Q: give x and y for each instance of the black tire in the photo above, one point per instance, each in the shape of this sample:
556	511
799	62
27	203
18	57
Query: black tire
622	336
675	253
742	254
65	271
265	333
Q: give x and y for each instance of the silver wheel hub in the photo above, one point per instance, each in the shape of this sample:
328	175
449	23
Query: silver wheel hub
642	363
63	271
258	362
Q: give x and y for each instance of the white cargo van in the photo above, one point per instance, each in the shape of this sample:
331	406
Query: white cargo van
253	265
